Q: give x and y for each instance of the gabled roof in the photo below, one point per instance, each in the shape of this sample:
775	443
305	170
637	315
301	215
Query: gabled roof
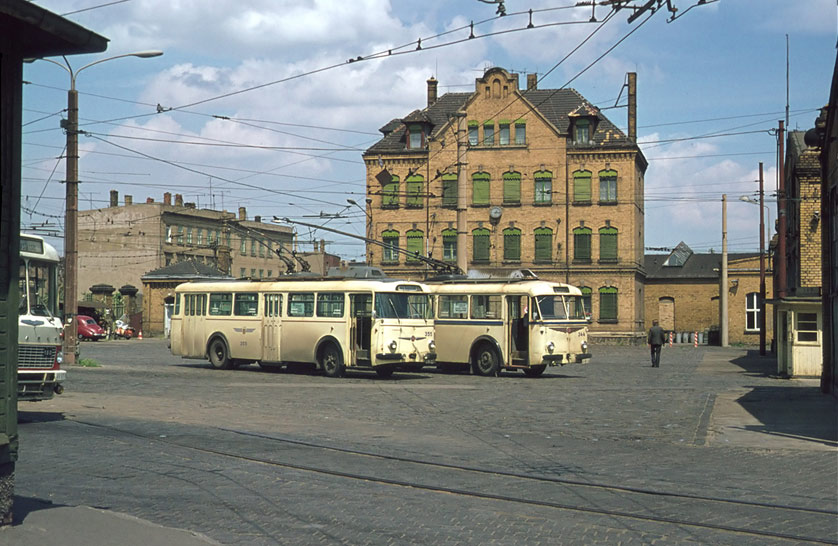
695	267
186	270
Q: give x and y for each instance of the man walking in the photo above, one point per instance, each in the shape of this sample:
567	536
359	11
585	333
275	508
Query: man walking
655	340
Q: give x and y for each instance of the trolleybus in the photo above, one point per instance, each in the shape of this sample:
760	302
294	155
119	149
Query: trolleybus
514	324
336	324
39	373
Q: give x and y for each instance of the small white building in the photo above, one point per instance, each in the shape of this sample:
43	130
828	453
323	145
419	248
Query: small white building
799	330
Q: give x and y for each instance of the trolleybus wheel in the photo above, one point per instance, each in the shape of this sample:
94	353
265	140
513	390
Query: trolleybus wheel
81	337
486	361
535	371
219	356
331	361
384	373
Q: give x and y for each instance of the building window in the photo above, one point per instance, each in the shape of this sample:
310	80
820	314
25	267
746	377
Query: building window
752	312
608	186
390	253
543	187
489	133
243	247
449	245
261	273
480	189
520	132
252	272
608	304
270	273
503	133
180	235
512	245
415	137
242	273
543	245
511	188
582	131
480	245
390	194
807	327
586	299
413	185
582	187
229	239
473	133
261	250
200	240
608	244
189	235
270	251
582	244
449	190
253	247
211	237
415	244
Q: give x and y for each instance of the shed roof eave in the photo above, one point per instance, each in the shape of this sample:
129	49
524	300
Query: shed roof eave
41	33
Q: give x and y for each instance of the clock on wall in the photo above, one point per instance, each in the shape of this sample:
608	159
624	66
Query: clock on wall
495	213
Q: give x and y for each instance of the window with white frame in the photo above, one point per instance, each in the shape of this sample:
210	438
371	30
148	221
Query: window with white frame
752	312
807	327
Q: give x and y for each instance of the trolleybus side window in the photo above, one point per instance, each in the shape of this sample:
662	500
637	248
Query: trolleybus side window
177	303
330	304
187	305
453	306
360	305
273	305
485	307
301	304
247	304
221	304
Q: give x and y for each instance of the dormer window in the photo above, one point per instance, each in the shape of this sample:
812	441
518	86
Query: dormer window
415	137
582	131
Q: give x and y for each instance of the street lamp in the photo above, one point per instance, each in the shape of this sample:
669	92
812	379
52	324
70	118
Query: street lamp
71	126
368	213
761	203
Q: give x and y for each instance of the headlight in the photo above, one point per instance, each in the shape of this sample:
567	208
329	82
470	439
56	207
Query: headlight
584	346
551	347
59	357
431	345
393	345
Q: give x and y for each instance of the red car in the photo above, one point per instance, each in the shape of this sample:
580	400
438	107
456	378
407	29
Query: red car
88	329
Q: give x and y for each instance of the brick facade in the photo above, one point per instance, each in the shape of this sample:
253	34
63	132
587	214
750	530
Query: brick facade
803	183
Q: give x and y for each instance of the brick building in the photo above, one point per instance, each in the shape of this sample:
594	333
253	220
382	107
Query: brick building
682	292
826	133
550	185
120	243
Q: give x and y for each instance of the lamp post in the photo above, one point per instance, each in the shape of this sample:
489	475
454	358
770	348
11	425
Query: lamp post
367	212
761	204
71	126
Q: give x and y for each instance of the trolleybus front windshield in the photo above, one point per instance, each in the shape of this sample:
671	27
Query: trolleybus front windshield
561	307
402	305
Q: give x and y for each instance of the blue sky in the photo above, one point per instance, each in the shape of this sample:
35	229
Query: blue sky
719	68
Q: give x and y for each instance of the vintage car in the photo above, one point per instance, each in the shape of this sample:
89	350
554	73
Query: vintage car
88	329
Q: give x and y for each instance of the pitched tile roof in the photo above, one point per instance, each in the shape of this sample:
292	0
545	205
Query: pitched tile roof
186	270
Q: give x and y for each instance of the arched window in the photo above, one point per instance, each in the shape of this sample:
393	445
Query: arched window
511	188
608	186
543	245
449	245
512	245
449	190
415	246
582	187
582	244
480	189
543	187
413	185
608	244
608	304
390	253
390	194
480	245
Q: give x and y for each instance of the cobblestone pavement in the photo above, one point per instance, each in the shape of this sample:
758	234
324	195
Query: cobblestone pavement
609	452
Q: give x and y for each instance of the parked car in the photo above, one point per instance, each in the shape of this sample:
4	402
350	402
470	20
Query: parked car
88	329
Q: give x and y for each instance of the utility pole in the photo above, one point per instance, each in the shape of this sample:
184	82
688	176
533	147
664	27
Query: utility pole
462	185
723	319
761	264
70	229
780	259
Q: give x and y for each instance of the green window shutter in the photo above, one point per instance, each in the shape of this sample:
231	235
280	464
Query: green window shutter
449	190
480	244
543	244
473	123
480	189
390	254
608	303
512	245
413	186
582	187
582	244
415	240
511	188
390	193
449	245
608	244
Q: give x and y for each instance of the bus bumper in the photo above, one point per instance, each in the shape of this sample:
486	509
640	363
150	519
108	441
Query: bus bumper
34	385
561	360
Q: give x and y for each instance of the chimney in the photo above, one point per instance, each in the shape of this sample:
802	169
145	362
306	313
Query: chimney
257	219
632	106
149	200
432	94
189	205
129	200
323	246
242	213
178	200
114	198
532	81
167	198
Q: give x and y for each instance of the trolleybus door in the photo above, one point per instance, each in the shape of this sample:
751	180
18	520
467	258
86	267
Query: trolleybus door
271	328
360	330
518	335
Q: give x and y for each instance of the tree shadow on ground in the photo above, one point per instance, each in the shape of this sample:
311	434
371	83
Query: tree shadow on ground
27	417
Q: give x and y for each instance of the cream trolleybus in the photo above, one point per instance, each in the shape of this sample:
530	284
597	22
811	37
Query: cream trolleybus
513	324
336	324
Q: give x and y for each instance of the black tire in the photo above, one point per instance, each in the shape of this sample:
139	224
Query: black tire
486	361
331	361
535	371
384	373
219	355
